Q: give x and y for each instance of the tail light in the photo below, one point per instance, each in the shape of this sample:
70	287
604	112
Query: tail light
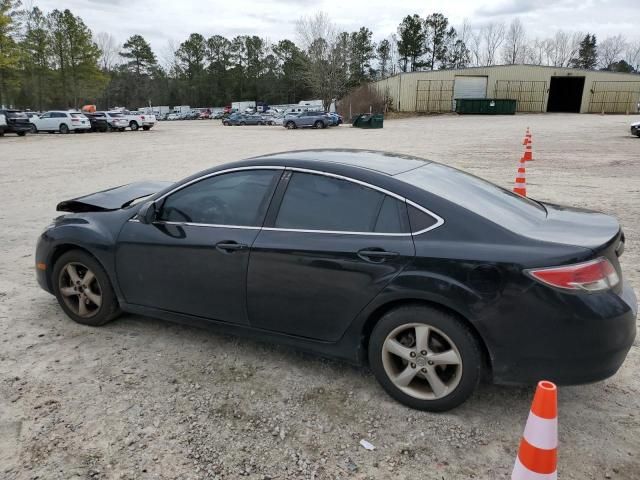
593	276
74	120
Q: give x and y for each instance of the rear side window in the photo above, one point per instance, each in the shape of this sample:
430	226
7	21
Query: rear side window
237	198
392	217
319	202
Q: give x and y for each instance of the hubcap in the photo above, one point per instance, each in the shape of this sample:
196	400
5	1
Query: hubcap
80	289
422	361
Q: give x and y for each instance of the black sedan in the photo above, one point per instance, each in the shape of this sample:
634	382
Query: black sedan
434	277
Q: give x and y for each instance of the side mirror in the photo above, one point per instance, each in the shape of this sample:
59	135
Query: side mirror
147	213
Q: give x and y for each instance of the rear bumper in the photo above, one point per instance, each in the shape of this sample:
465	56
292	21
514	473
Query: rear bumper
586	346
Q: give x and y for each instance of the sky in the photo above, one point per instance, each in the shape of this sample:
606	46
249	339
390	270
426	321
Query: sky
165	21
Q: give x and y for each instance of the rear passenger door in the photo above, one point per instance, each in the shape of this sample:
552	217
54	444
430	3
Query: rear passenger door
329	246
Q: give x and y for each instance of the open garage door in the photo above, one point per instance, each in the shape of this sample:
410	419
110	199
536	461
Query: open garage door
469	87
565	94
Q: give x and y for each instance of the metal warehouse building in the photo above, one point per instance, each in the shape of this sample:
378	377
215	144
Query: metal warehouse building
536	89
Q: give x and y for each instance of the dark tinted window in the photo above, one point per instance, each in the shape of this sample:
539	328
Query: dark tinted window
238	198
317	202
476	195
419	220
392	217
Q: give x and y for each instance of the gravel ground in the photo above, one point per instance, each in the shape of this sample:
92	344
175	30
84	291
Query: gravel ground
141	398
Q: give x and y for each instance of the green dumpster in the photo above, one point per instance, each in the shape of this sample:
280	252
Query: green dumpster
366	120
486	106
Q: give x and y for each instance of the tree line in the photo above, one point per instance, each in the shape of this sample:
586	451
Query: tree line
54	60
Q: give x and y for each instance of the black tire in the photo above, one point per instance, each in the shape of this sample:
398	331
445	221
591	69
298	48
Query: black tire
121	129
134	126
242	124
34	129
109	308
22	134
146	128
457	332
63	128
226	124
290	125
318	124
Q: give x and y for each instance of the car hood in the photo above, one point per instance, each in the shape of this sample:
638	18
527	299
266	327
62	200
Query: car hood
111	199
575	226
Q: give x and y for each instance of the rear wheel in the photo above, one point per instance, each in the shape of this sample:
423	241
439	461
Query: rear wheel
83	289
425	358
64	128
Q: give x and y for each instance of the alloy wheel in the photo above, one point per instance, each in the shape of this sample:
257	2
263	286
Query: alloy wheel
422	361
80	289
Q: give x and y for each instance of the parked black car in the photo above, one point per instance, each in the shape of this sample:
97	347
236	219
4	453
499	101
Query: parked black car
98	122
17	122
432	275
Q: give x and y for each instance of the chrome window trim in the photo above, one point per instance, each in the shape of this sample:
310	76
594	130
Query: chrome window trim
439	220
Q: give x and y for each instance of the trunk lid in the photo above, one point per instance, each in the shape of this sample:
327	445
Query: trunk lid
575	226
111	199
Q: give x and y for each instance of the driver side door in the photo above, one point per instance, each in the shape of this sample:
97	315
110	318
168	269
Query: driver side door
193	258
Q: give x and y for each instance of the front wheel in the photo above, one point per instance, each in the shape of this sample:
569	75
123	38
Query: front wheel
134	126
290	125
34	129
318	124
242	124
22	134
83	289
146	128
425	358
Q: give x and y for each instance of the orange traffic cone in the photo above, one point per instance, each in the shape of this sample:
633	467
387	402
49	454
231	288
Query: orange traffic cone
528	153
520	186
538	453
527	137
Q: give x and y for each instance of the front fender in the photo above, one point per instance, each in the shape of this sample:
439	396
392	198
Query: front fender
96	236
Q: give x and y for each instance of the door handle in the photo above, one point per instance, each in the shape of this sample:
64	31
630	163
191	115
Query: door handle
229	247
376	255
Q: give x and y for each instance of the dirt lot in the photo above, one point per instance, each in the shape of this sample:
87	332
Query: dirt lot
141	398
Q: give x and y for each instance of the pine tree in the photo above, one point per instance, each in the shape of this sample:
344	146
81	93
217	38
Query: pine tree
141	58
588	53
9	50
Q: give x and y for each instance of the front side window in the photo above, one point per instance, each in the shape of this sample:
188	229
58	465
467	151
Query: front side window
318	202
236	198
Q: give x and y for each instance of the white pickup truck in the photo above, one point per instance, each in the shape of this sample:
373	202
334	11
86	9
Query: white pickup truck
139	120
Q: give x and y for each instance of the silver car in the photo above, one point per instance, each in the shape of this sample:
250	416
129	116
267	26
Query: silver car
307	119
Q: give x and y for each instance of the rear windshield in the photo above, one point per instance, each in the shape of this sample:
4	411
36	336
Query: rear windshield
78	115
477	195
11	114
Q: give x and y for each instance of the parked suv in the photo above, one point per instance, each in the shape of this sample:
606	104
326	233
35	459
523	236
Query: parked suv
308	119
16	122
61	121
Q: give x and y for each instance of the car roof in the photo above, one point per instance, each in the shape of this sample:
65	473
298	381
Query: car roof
379	161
